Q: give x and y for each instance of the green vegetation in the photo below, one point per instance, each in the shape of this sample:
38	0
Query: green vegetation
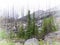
11	35
4	42
41	42
4	38
48	26
21	32
32	30
28	28
34	27
3	34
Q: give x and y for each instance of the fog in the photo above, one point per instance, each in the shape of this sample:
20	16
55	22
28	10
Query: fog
32	5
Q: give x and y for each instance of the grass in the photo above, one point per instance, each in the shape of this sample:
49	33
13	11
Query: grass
9	42
3	38
41	42
5	42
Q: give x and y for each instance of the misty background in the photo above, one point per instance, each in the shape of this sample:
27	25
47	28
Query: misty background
19	8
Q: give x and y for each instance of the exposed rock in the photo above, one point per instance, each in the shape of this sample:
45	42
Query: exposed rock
32	41
53	36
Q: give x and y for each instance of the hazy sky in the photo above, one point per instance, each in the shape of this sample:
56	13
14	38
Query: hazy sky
33	5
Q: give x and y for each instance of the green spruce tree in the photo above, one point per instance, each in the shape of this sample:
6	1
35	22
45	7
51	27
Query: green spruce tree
34	27
28	32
